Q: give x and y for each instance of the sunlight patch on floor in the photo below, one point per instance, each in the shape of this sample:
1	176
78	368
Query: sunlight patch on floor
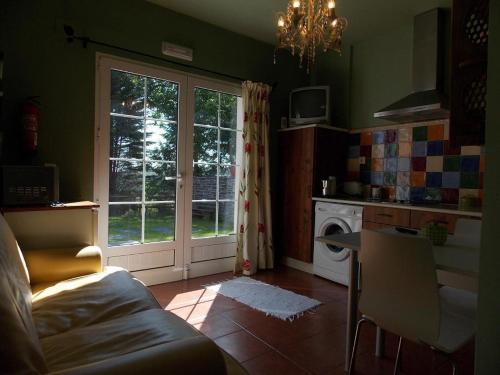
193	306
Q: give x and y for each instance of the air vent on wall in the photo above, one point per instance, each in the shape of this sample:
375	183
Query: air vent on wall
180	52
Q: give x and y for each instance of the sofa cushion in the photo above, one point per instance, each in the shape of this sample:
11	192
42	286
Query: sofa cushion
54	265
20	351
90	299
113	338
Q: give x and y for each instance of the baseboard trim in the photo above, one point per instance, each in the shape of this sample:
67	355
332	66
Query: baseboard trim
211	267
160	275
297	264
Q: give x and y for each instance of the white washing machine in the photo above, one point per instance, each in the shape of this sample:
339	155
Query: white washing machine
332	262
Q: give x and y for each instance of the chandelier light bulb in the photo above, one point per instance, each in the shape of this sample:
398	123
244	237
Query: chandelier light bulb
308	26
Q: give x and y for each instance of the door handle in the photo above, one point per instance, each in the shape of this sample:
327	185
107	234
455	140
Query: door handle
180	179
385	215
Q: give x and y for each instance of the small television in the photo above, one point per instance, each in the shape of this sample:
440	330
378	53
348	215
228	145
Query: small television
309	105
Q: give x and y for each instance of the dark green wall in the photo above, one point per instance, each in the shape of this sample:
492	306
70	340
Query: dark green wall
381	74
38	61
488	338
333	69
373	73
369	75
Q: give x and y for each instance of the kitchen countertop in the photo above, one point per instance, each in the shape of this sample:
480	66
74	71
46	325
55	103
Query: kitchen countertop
432	207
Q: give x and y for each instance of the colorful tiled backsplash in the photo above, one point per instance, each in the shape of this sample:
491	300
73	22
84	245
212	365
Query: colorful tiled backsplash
416	162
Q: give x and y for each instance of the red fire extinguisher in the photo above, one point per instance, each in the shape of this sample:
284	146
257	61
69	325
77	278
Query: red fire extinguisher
30	114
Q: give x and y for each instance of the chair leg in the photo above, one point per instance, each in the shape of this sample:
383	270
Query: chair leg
398	356
448	357
453	366
355	344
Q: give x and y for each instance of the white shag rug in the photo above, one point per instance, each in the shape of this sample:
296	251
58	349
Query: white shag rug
269	299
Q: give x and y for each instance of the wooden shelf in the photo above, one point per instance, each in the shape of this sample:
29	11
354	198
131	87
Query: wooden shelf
65	206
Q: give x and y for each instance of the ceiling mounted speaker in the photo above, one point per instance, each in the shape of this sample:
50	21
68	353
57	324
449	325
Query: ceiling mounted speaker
176	51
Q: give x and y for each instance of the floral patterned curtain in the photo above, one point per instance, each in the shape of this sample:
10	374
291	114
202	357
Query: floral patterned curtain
255	245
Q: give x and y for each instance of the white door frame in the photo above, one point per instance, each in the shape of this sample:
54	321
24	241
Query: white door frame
183	245
174	271
225	261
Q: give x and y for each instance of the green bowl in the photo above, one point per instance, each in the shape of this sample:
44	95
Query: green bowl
437	233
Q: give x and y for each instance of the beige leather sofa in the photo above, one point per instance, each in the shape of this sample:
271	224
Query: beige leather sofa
60	314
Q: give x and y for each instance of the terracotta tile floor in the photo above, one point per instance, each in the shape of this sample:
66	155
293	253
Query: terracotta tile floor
312	344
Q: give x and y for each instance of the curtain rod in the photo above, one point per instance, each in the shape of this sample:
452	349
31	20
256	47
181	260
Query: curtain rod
70	37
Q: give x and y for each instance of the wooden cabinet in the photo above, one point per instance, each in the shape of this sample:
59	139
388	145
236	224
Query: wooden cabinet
296	166
387	215
375	217
420	218
468	72
307	155
375	226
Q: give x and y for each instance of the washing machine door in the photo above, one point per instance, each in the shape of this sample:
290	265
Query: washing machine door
334	225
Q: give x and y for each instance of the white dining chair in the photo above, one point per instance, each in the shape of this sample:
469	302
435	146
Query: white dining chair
468	231
400	294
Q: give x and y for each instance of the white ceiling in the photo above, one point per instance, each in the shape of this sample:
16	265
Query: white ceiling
256	18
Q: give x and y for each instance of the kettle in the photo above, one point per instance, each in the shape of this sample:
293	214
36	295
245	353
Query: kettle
329	186
352	187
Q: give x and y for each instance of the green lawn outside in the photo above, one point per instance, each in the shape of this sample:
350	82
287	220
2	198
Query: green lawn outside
127	230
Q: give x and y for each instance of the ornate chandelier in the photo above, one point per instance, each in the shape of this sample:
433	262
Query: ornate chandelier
308	24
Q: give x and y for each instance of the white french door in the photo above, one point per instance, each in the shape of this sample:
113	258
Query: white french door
165	170
215	122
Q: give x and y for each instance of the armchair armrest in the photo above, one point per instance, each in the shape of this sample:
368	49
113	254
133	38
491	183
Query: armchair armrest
189	356
53	265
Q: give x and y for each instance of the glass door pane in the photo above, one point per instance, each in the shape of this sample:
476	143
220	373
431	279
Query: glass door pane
143	159
216	138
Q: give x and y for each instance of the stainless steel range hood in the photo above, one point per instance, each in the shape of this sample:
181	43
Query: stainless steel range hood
428	101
